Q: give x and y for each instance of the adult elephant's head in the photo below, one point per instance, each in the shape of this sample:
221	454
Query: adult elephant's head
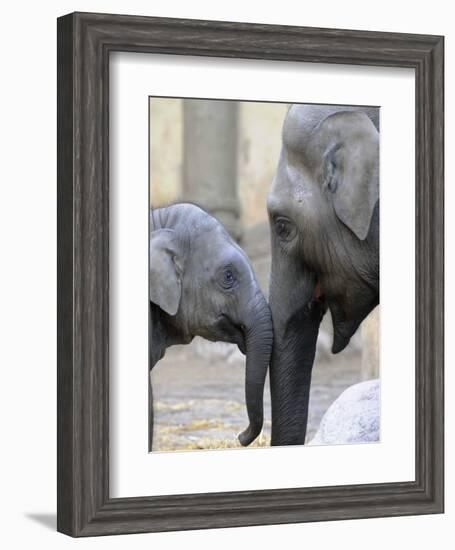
204	284
324	215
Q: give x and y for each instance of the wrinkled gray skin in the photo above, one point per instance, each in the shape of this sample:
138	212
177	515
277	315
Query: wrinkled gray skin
202	283
324	214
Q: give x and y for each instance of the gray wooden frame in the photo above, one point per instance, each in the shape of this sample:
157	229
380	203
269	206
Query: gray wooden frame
84	44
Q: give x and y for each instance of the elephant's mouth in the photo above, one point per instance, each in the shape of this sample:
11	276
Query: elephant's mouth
231	332
318	292
241	344
345	321
342	330
319	297
238	337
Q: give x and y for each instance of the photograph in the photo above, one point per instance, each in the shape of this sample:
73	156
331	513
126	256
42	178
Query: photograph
264	323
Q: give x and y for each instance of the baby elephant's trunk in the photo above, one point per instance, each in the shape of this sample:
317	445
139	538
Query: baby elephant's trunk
258	338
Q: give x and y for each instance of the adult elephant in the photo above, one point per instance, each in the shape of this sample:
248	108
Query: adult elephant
324	214
202	284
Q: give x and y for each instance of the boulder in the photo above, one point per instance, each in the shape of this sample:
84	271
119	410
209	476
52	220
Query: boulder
354	417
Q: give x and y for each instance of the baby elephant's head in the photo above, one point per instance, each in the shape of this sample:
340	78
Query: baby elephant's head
205	286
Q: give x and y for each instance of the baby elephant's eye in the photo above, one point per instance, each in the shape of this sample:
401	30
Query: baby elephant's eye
228	278
284	229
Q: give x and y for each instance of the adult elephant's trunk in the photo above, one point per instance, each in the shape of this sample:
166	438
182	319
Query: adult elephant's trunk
290	380
258	343
297	314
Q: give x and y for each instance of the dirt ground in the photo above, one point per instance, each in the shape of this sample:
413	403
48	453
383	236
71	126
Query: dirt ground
199	395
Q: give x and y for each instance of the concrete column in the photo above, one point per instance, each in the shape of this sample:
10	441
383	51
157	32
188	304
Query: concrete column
210	135
370	345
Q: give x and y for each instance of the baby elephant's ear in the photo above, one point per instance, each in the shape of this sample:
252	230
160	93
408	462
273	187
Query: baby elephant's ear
165	270
351	169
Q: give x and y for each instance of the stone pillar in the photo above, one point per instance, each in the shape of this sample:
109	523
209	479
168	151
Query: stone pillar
210	135
370	346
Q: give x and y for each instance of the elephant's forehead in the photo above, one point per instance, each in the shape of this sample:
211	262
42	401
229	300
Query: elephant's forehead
291	184
213	246
295	129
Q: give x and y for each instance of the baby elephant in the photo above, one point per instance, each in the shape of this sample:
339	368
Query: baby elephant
202	284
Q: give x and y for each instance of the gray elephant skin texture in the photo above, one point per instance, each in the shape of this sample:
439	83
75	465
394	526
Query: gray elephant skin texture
324	214
202	284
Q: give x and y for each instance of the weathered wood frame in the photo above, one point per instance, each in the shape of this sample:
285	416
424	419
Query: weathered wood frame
84	44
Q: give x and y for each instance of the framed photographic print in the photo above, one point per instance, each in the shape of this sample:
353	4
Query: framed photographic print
236	314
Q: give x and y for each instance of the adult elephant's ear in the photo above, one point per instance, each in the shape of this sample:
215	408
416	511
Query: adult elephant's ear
351	168
165	270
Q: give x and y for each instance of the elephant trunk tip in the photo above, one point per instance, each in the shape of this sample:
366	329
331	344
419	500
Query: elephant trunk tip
258	339
249	435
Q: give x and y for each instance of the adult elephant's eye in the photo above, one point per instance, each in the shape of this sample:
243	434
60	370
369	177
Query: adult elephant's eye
284	229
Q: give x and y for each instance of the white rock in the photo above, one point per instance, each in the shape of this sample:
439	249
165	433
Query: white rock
354	417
